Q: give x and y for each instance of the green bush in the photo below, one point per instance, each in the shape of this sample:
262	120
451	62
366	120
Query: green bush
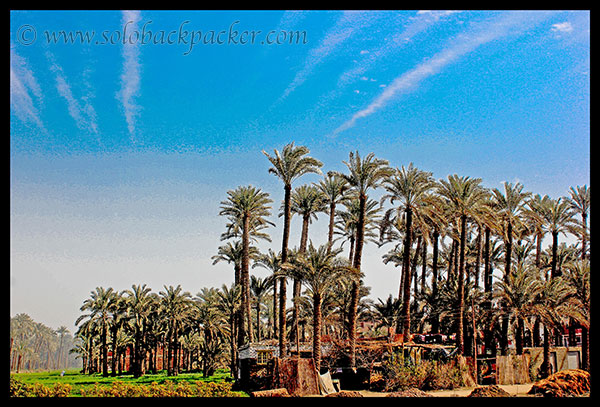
166	389
122	389
20	389
401	374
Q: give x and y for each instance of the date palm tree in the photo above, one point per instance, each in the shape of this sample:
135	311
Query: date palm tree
577	276
465	196
364	174
554	301
386	313
249	206
175	305
580	203
289	165
558	218
347	222
518	294
229	304
307	201
231	253
271	261
61	331
99	307
259	288
409	186
333	189
320	270
139	306
509	205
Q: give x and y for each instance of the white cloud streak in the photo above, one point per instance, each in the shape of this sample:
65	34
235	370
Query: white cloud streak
417	25
342	30
130	77
81	110
23	85
510	23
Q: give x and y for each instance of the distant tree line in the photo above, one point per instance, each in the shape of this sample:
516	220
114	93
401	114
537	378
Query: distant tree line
34	346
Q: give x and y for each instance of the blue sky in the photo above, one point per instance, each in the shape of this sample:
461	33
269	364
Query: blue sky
122	150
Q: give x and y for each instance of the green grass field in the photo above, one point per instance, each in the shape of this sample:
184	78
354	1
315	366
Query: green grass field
80	381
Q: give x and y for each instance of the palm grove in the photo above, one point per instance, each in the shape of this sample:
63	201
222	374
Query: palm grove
464	252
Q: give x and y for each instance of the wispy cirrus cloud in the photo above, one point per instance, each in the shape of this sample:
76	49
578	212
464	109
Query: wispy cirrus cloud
349	23
417	24
80	109
25	92
511	23
130	76
421	22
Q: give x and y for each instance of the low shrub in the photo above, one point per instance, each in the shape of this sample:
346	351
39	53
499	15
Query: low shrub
400	374
166	389
20	389
123	389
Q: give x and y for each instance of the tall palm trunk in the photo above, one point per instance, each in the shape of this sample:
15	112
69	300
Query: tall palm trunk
478	257
554	272
297	284
404	321
275	308
360	232
583	235
104	351
435	323
538	253
245	280
113	362
487	287
423	266
546	367
317	330
507	271
331	224
284	255
461	290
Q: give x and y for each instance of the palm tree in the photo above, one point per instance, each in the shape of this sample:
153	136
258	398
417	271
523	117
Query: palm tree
259	288
231	253
577	276
307	201
518	295
249	206
365	174
347	222
333	189
61	331
558	218
99	306
175	305
271	261
292	163
465	197
533	214
319	269
387	312
229	304
117	321
139	306
553	302
409	186
580	203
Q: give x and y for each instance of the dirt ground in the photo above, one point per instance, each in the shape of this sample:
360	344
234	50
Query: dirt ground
519	390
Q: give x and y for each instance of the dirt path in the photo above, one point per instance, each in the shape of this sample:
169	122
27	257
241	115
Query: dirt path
519	390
